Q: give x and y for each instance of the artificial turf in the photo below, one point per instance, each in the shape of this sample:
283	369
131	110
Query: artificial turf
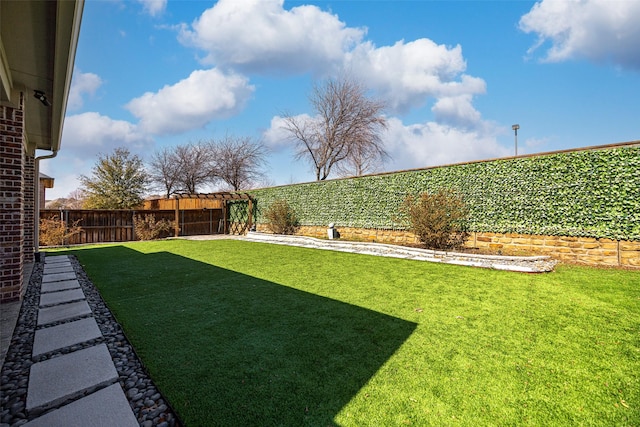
240	333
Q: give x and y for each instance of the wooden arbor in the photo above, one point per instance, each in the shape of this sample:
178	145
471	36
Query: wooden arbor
225	198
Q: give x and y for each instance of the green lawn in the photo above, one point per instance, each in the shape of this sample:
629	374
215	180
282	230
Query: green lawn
238	334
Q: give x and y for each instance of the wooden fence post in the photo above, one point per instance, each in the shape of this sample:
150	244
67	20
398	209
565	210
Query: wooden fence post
177	221
133	225
224	217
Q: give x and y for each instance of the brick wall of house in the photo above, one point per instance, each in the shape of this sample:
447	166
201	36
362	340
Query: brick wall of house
12	159
583	250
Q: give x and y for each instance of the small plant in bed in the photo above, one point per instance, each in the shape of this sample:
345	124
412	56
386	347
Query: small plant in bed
438	219
281	218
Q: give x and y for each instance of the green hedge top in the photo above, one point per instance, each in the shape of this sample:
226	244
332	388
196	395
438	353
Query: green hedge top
590	193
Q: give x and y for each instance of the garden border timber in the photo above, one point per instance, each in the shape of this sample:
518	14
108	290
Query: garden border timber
225	196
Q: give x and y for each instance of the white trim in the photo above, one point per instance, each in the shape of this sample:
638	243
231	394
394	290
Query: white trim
5	74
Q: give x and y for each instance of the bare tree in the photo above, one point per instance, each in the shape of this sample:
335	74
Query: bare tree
164	169
347	126
238	161
75	199
194	166
363	159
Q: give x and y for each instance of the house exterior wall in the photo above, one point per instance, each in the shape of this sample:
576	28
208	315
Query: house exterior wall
42	195
12	201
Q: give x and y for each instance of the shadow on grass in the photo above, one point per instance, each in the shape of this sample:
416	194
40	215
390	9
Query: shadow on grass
230	349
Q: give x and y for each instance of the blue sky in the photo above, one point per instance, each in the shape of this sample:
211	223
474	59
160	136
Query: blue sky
455	76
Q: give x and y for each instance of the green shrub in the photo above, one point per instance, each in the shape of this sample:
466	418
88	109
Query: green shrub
148	228
281	219
438	219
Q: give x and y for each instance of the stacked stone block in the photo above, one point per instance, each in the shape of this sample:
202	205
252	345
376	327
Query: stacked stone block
583	250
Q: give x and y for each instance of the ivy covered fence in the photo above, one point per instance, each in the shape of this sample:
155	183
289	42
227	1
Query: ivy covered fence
591	192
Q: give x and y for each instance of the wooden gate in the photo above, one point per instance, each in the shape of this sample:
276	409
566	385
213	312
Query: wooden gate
237	210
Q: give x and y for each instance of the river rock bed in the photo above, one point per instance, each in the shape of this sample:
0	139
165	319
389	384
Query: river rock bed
148	405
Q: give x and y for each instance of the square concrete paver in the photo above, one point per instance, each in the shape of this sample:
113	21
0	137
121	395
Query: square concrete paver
58	277
65	335
63	312
104	408
58	268
55	259
53	381
59	286
61	297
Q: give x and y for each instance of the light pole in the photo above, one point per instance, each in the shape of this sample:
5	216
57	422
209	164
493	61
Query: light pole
515	129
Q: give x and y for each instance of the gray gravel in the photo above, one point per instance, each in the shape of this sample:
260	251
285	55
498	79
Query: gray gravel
148	404
521	264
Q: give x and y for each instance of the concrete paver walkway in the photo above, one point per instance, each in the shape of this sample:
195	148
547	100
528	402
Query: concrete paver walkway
65	335
61	297
104	408
58	313
77	388
60	286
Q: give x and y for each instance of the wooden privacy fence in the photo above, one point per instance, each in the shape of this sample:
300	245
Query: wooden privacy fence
117	225
234	220
188	202
191	215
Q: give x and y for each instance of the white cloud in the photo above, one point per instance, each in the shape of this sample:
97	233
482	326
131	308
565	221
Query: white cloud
260	35
59	169
599	30
457	111
81	84
406	74
84	137
432	144
191	103
89	134
276	136
154	7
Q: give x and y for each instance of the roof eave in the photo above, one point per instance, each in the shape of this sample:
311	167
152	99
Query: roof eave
67	34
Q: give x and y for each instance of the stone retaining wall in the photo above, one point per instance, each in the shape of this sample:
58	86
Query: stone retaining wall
584	250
